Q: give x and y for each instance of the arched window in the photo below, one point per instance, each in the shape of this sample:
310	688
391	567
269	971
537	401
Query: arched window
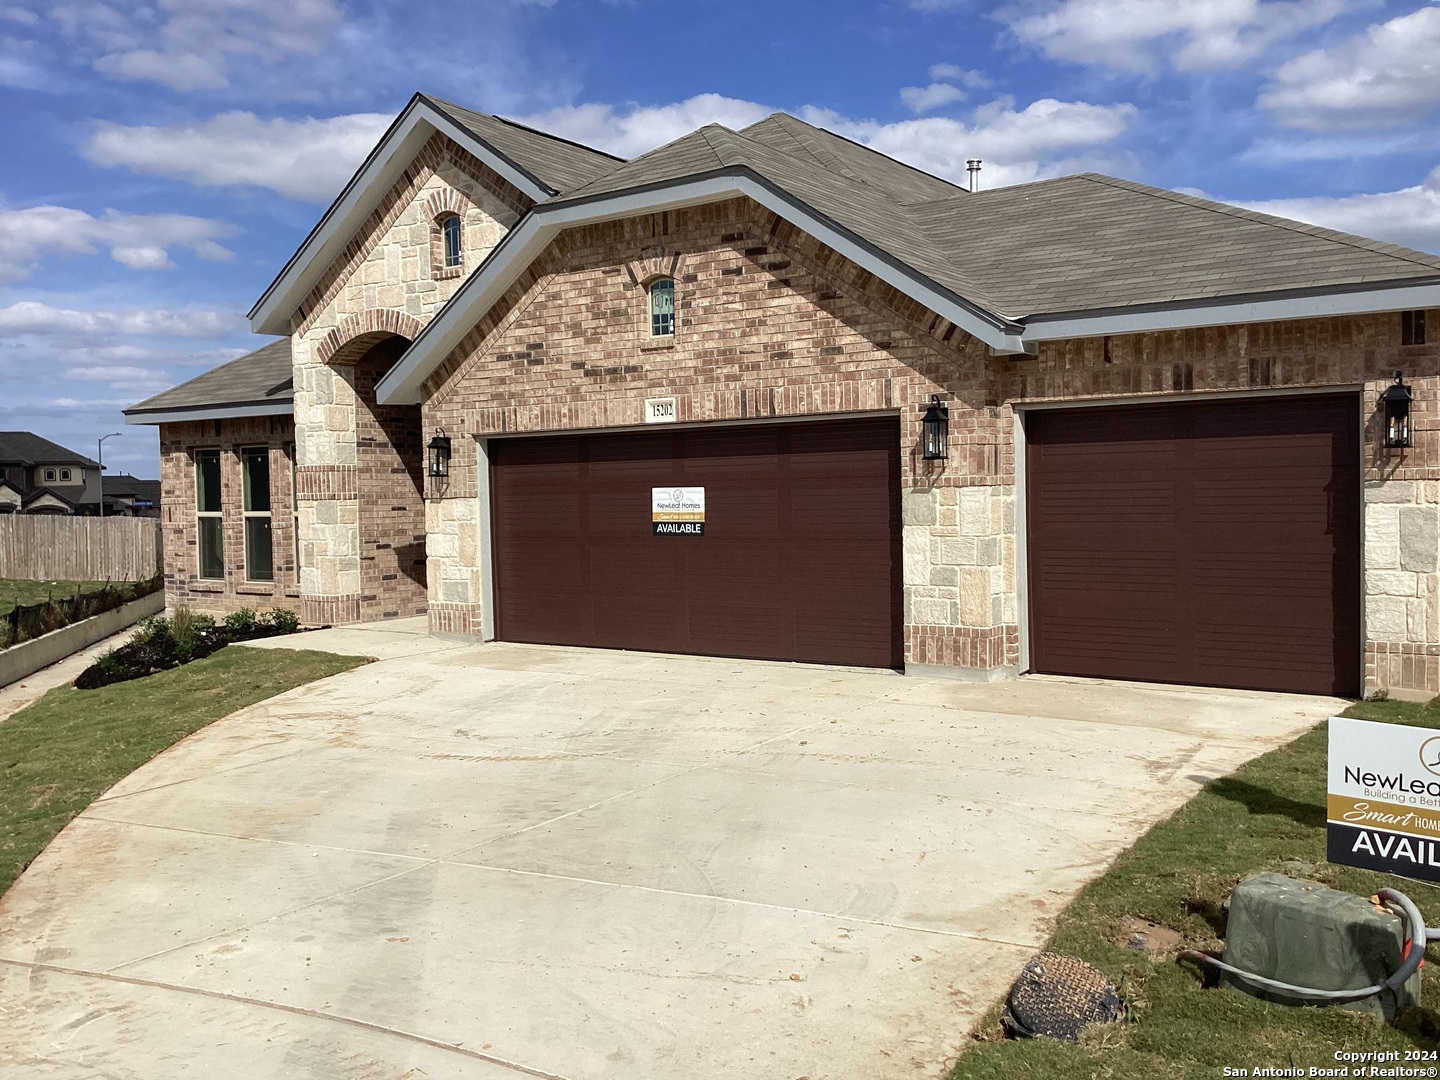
450	230
662	307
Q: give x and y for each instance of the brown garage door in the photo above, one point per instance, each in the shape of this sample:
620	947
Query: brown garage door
800	558
1216	543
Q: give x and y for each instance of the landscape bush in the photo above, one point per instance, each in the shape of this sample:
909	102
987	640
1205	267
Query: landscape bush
160	643
27	621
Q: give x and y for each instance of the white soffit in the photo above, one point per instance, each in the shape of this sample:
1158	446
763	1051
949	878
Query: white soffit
1223	311
390	158
208	412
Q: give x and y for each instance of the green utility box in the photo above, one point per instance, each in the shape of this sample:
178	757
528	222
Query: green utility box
1305	934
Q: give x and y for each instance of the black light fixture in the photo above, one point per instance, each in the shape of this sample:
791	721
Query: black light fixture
1397	399
440	453
934	426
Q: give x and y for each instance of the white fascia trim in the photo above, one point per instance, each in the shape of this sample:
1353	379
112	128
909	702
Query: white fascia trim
518	249
209	412
377	175
1224	312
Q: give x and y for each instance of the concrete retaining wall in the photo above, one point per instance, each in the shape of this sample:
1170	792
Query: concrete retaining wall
24	659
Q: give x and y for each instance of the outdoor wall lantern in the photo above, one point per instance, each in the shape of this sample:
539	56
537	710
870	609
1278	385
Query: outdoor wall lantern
933	427
1397	401
440	453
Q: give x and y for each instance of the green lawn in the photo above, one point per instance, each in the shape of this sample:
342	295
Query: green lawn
61	752
1268	816
17	593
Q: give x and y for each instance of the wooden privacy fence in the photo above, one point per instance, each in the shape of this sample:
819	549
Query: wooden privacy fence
38	547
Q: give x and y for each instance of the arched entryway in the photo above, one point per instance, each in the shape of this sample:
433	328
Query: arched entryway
390	482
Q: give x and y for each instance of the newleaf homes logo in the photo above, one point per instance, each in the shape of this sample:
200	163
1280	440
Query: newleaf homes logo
1382	813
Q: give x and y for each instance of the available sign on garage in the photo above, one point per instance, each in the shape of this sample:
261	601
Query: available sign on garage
1384	798
677	511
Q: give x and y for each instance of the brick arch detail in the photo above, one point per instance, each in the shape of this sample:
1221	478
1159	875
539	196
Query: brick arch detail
444	202
357	333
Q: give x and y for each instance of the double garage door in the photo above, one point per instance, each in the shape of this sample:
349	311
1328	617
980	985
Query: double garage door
1215	543
799	557
1210	543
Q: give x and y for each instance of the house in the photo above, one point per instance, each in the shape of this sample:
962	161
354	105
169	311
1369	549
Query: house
129	496
38	476
768	393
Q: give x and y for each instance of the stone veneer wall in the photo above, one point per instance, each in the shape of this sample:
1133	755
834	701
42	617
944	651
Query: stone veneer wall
1402	488
178	523
769	324
385	282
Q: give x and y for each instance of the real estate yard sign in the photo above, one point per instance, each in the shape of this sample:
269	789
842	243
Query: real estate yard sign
1384	798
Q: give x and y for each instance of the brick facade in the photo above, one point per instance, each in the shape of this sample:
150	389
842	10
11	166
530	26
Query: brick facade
179	524
770	324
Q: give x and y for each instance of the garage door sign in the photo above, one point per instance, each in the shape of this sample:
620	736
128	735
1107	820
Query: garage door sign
677	511
1383	809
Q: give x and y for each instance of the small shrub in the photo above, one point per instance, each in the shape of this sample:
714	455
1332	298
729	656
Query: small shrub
241	624
284	622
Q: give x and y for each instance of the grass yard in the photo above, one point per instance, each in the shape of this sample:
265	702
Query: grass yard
58	754
15	592
1268	816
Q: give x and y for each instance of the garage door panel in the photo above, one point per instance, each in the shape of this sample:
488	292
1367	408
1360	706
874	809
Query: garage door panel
1215	543
799	560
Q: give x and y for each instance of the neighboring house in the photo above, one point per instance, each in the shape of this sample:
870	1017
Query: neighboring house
38	476
679	404
129	496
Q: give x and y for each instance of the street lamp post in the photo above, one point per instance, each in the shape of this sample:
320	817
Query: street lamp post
101	447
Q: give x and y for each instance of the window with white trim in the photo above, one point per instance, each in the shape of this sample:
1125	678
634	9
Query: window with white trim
50	475
64	474
259	542
210	522
662	307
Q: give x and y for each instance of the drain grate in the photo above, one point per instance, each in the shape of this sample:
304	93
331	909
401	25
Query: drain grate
1058	997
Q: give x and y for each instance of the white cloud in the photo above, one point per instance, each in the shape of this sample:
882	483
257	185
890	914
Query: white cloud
643	128
188	46
1046	138
308	159
1409	216
139	241
921	99
1141	36
1385	77
112	373
44	320
975	80
19	15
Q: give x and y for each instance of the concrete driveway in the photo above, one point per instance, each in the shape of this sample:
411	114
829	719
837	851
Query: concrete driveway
503	861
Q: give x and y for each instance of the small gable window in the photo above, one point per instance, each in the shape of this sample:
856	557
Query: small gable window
64	474
662	307
450	233
50	475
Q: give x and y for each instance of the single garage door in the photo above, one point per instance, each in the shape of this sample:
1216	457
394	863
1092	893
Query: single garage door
799	557
1215	544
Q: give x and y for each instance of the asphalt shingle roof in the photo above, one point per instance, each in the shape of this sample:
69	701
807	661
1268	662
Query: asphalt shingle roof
261	377
1094	242
555	162
1079	243
27	448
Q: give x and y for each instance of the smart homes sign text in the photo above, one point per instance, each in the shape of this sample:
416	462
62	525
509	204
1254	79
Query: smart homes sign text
1384	798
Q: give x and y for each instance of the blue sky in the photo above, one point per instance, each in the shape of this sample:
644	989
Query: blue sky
162	160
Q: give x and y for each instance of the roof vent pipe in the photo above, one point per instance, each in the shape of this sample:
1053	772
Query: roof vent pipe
973	168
